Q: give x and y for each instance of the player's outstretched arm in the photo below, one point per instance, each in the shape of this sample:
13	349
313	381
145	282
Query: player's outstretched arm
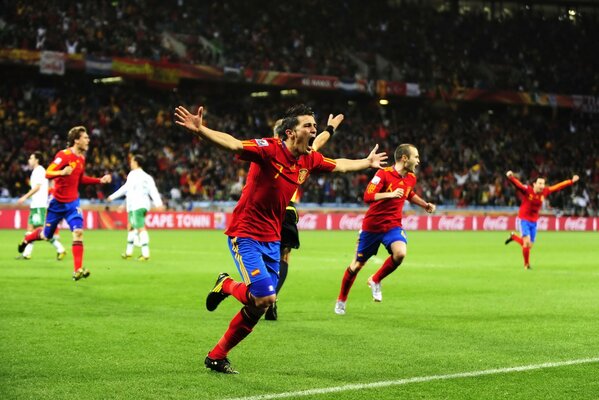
324	136
193	123
30	193
564	184
428	207
374	160
515	181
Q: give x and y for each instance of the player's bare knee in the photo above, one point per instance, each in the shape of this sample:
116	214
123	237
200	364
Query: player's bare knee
78	234
265	302
398	258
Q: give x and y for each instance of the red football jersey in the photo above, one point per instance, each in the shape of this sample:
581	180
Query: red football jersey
66	188
531	201
273	177
383	215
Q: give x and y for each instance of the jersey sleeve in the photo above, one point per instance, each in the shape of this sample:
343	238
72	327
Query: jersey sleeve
59	162
412	192
120	191
374	186
154	195
559	186
321	163
38	176
519	185
256	150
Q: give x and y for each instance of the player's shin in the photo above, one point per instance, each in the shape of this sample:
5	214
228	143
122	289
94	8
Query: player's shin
347	282
240	327
144	241
386	269
130	242
77	250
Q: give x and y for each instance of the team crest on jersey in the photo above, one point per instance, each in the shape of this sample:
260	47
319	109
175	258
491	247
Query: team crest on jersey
375	180
261	142
303	174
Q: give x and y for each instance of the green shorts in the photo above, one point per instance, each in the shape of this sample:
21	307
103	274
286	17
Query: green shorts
137	218
37	217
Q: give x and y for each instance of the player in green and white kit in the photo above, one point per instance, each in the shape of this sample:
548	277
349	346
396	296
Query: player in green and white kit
39	204
139	189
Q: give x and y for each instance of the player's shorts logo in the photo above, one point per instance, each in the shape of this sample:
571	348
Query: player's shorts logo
303	174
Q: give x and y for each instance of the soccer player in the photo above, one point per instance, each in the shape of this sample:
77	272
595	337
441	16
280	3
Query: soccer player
289	232
531	202
39	203
386	193
68	171
139	189
278	166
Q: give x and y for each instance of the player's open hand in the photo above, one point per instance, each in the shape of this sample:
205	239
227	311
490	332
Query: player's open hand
430	208
188	120
377	160
106	178
575	178
66	171
21	200
509	174
335	121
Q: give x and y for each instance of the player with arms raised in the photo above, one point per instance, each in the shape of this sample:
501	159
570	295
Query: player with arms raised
278	166
68	171
386	193
532	198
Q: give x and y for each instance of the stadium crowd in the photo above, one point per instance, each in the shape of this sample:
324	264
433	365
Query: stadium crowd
465	152
522	50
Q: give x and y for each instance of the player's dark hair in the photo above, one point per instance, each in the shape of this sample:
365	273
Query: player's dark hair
39	157
290	120
74	134
403	150
140	160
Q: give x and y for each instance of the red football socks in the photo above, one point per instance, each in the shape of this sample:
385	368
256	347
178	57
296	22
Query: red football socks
526	254
237	289
385	269
240	326
33	236
517	239
346	283
77	249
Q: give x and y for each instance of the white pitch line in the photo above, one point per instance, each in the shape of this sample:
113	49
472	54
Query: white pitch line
362	386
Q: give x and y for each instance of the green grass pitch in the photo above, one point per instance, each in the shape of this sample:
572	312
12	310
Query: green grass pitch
461	302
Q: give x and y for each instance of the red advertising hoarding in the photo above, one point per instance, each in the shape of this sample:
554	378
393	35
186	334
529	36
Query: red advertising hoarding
17	219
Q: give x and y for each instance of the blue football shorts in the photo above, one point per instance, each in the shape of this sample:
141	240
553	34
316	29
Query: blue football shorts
369	242
257	263
57	211
527	228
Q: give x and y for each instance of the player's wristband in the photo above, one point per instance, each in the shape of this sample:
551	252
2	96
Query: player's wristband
330	129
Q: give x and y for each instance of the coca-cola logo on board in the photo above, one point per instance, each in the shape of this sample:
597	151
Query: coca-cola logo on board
495	224
543	224
308	221
351	222
575	224
411	222
455	223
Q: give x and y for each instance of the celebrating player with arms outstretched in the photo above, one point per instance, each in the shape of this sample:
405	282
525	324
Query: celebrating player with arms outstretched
386	193
68	171
289	233
278	166
532	200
